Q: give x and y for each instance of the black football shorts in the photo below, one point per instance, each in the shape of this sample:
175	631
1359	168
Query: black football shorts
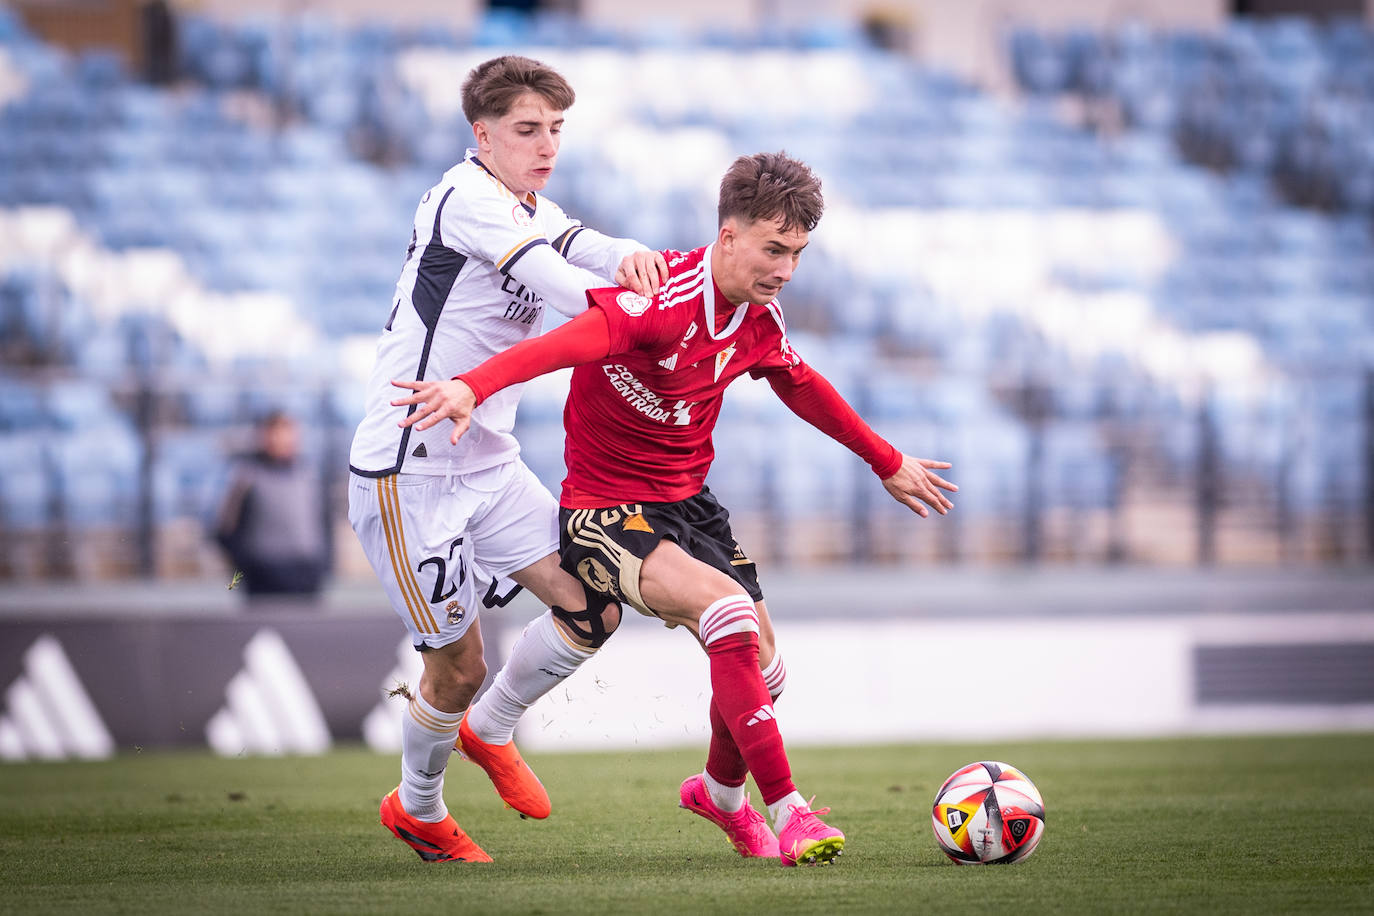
604	548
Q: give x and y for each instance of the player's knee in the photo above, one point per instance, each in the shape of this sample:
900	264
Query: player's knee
610	617
591	626
452	687
467	681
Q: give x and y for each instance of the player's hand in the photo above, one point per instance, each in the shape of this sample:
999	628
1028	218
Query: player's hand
916	482
451	400
644	272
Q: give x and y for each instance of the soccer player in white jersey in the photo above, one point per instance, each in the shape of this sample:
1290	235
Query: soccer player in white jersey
488	253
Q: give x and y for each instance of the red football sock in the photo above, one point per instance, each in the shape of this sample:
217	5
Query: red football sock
724	762
746	710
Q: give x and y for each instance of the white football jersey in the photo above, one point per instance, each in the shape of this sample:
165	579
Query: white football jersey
481	265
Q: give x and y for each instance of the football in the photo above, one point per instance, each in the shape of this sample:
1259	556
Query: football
988	813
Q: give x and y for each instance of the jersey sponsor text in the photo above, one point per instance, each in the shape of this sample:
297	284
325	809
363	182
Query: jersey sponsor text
643	399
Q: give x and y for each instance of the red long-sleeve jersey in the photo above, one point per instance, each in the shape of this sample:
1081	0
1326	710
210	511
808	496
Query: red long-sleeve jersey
650	378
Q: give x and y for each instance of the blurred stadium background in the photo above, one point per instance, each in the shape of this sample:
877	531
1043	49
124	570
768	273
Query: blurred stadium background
1114	261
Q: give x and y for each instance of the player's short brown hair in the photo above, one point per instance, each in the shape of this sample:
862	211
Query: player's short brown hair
493	86
769	186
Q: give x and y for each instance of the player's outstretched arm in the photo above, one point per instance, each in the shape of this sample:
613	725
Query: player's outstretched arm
629	262
916	482
911	481
585	338
564	285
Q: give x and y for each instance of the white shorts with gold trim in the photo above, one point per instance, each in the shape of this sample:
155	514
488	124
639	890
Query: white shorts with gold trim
435	542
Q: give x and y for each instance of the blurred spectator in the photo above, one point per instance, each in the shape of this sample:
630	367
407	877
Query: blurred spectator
159	42
272	520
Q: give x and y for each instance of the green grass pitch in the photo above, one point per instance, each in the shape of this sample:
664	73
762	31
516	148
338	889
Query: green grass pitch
1229	825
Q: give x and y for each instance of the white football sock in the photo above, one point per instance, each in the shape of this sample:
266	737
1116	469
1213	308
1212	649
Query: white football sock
427	736
775	676
541	659
780	812
727	798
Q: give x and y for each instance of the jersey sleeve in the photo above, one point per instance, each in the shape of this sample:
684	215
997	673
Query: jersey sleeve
810	396
584	247
581	340
638	323
601	254
562	285
496	228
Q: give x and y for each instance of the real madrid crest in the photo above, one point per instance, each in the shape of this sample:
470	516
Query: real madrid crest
456	613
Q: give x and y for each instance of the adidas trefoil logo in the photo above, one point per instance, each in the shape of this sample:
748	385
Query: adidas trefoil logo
763	714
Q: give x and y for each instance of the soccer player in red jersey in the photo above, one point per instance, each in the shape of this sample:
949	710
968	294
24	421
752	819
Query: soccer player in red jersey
638	522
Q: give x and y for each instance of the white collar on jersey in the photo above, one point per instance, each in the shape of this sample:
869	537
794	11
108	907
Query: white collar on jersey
709	289
529	203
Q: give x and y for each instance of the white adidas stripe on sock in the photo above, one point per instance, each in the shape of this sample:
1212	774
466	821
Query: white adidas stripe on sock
775	676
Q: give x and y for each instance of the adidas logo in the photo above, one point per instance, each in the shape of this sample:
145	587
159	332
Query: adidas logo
49	715
268	707
382	724
763	714
670	363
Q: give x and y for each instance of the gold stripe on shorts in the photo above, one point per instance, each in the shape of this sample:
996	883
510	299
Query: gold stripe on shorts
389	501
405	552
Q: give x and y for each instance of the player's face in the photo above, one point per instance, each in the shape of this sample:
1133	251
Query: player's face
521	146
757	259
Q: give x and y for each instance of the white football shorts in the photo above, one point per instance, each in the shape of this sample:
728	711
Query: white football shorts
434	541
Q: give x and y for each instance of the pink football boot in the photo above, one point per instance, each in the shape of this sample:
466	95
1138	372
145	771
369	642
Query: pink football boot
746	828
807	840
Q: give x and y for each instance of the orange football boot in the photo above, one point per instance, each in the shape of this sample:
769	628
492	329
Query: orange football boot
440	841
515	782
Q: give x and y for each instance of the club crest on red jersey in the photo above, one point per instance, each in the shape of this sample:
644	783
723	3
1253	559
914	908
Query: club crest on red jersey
722	358
632	304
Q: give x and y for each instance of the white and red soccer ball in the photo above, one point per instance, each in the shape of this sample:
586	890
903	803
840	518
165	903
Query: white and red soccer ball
988	813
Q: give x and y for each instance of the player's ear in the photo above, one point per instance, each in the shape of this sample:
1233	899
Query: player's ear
481	134
725	239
